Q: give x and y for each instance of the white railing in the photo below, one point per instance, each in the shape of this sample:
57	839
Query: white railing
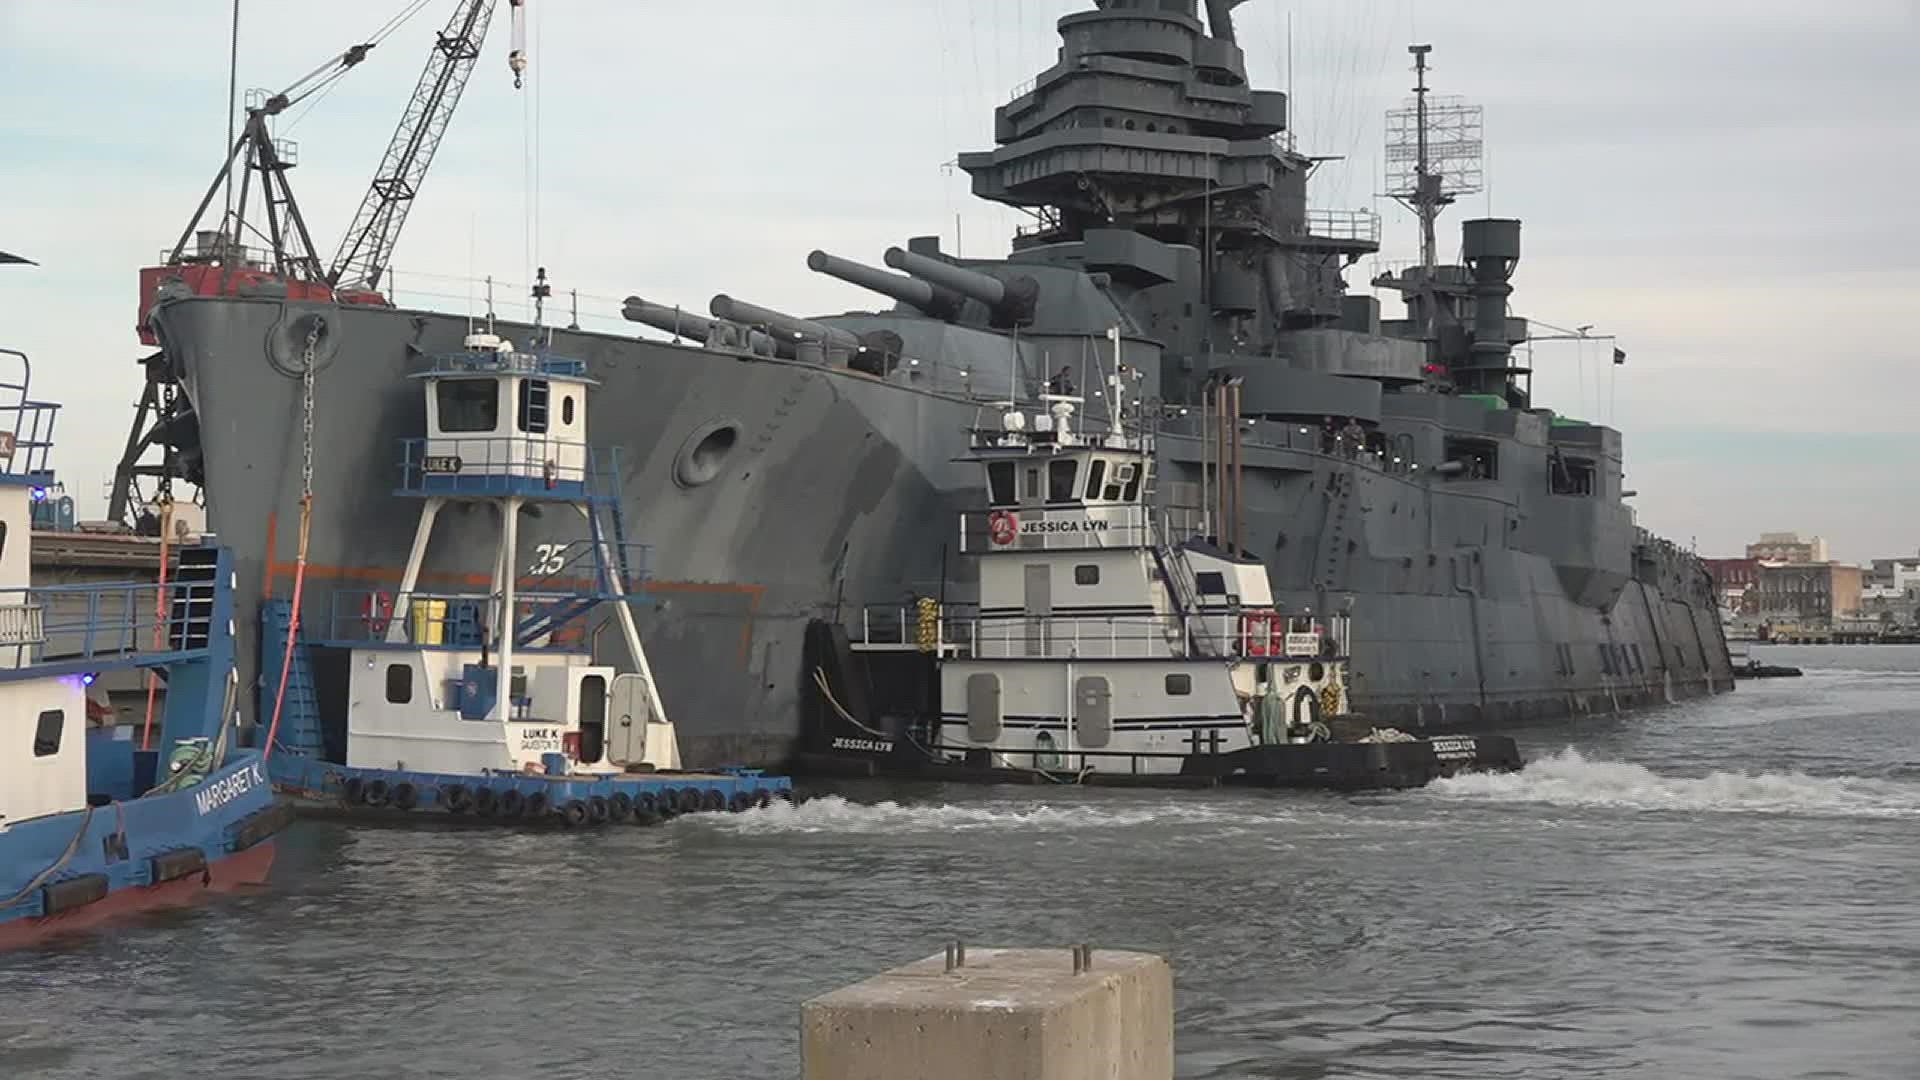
23	624
1363	225
1217	634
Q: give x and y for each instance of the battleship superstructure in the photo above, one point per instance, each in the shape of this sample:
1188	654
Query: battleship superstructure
806	467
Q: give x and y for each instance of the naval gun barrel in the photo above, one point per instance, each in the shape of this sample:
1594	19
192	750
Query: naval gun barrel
672	320
908	290
687	324
1010	300
782	326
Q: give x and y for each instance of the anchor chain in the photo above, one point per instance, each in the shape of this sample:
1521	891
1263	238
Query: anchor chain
306	530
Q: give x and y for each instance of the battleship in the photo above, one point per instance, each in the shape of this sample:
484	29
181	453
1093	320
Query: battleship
808	468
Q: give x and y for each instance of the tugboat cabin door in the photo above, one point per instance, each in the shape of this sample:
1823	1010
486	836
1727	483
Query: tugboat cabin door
1092	711
630	707
593	717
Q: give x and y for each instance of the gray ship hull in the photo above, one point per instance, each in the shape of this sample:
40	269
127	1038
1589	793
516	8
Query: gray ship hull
827	489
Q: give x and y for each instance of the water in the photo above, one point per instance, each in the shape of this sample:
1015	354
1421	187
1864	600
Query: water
1723	889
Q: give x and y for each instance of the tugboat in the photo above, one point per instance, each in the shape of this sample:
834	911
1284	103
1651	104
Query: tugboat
98	820
488	707
1114	641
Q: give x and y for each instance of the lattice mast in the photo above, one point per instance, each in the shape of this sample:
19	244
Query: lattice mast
1433	154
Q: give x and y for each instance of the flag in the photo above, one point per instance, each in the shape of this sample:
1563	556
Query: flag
1619	356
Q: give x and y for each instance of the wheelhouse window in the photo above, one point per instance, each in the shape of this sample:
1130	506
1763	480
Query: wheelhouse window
46	733
468	404
1179	685
1086	574
1060	477
1211	583
1033	491
1096	477
535	394
1000	484
1124	485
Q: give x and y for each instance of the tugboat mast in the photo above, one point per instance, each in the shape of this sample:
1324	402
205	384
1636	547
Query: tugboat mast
1427	197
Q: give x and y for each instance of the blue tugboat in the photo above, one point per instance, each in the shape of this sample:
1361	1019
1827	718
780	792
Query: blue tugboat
99	820
489	707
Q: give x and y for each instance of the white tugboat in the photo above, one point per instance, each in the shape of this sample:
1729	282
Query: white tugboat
1113	642
491	705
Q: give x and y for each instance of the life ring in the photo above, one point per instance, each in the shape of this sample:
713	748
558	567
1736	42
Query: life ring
1310	701
1001	527
378	613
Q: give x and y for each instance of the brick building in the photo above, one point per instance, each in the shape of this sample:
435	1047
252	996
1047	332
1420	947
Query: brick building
1812	594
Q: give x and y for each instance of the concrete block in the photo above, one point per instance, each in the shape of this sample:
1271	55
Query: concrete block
1002	1014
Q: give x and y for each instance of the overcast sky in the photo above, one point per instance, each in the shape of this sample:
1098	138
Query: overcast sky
1728	188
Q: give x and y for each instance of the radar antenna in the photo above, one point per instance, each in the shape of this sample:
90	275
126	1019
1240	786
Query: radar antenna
1433	154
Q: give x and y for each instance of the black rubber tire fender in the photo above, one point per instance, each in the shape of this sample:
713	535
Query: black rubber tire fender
713	801
456	798
739	802
404	796
512	803
597	809
619	806
485	801
375	792
353	790
537	804
574	813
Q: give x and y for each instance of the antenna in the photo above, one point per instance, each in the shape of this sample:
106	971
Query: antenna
489	303
541	290
1433	154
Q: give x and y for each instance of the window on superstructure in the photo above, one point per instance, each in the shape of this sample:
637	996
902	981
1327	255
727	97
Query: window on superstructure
566	410
534	400
1000	484
1129	474
1060	477
1179	685
1086	574
1096	477
399	684
1571	476
468	404
1479	458
46	733
1033	484
1211	583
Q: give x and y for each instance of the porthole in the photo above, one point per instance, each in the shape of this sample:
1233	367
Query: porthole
705	452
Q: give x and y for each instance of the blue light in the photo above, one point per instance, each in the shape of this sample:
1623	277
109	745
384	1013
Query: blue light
39	494
87	680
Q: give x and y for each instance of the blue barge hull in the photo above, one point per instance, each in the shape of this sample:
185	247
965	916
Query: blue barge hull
521	799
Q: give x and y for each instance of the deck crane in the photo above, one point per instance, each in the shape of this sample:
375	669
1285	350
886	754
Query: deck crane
367	249
217	262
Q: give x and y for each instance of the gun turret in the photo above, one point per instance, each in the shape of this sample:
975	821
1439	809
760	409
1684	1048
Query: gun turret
805	339
716	335
911	291
1010	300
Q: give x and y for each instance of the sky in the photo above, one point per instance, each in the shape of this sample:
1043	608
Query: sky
1725	189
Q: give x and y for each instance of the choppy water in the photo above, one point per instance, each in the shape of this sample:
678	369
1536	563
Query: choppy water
1717	890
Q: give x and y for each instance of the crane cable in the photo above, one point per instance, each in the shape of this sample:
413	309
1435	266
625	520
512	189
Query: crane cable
306	523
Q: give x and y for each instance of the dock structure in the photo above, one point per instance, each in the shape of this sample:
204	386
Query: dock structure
998	1014
75	557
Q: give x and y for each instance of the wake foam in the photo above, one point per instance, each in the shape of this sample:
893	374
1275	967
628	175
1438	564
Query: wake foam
1571	779
833	814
